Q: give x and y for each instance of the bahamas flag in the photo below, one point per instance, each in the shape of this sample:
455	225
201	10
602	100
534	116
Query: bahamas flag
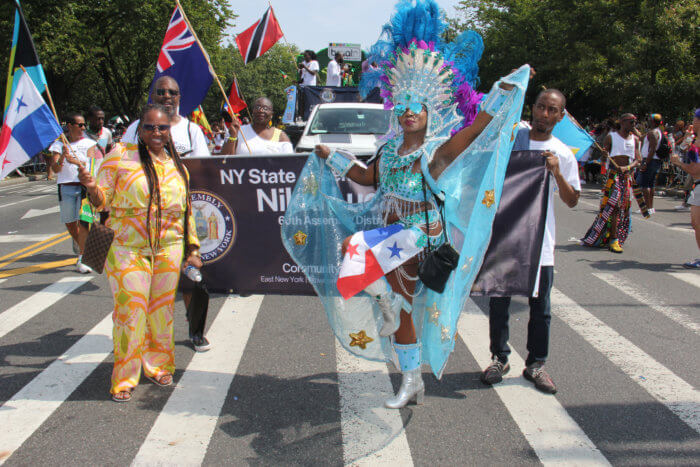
23	53
571	134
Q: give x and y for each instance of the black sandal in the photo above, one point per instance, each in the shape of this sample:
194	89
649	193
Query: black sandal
157	379
126	398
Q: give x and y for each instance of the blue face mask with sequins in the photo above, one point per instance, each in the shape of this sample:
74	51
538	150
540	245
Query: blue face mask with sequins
414	107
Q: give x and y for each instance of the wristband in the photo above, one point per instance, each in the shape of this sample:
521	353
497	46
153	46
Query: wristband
494	100
232	138
339	163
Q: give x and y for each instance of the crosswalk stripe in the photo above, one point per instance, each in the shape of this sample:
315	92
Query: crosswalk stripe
23	201
28	308
554	436
24	413
372	434
649	300
663	385
691	278
184	427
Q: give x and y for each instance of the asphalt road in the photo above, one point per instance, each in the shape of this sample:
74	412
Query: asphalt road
277	389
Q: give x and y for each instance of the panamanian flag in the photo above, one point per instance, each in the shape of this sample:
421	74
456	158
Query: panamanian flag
29	126
372	254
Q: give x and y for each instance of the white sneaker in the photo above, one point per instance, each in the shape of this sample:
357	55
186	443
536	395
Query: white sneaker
682	207
652	211
82	268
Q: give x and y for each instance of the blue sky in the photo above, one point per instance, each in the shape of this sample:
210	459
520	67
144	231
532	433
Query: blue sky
312	24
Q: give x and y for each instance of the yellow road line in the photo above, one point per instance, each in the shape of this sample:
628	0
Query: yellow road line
37	267
62	235
36	250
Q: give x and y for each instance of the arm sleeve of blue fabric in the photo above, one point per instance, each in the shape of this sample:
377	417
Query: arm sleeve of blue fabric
342	162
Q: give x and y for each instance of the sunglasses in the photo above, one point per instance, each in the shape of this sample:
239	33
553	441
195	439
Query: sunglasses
264	108
160	128
163	92
414	107
81	125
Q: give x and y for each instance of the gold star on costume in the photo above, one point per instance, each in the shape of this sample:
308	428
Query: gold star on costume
468	264
310	185
445	335
300	238
360	339
434	314
489	198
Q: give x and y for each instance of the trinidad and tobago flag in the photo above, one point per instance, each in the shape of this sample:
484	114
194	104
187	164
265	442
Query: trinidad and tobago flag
372	254
257	39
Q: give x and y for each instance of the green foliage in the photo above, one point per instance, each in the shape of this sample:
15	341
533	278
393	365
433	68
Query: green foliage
607	56
104	51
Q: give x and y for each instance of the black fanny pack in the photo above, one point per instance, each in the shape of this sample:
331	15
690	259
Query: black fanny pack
438	264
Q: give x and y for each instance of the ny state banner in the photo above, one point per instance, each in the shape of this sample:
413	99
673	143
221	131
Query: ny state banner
239	203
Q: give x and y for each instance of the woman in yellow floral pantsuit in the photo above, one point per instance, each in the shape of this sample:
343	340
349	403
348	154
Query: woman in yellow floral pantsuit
146	188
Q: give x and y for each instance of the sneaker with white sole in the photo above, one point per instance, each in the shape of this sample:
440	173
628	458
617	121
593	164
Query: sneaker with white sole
82	268
200	344
682	207
692	264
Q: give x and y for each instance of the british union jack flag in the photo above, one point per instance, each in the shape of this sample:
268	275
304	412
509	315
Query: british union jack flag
184	60
177	37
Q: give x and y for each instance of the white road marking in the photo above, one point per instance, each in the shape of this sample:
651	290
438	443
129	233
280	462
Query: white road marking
554	436
372	434
692	278
25	238
184	427
40	212
649	300
646	221
28	308
24	413
663	385
23	201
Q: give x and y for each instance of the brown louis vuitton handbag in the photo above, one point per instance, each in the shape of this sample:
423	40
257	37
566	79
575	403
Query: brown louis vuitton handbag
97	245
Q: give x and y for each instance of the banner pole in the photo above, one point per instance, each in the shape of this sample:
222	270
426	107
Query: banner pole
211	68
64	140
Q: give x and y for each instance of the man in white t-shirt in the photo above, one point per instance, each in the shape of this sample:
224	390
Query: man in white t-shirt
188	138
97	131
65	165
333	72
561	163
309	68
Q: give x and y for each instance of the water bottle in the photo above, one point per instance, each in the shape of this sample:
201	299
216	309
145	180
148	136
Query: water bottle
193	273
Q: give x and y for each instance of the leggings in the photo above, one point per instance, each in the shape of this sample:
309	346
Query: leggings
144	296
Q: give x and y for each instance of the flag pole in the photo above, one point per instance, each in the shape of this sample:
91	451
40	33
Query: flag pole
211	68
64	140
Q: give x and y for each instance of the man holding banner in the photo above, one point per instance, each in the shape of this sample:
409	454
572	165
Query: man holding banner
561	164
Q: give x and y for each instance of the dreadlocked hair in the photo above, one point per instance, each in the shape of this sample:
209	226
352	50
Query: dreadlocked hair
149	170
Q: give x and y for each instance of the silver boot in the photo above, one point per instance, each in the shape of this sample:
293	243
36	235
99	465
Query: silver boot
412	388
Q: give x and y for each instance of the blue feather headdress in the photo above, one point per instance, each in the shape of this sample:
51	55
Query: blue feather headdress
417	27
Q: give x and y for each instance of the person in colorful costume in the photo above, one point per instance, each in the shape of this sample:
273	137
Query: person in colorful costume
146	187
612	224
442	151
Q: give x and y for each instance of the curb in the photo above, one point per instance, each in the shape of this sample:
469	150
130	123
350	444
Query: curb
19	180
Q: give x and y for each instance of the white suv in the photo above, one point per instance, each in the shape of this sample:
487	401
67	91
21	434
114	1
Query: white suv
354	127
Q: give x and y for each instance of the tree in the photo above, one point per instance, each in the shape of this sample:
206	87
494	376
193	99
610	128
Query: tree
606	56
264	76
104	51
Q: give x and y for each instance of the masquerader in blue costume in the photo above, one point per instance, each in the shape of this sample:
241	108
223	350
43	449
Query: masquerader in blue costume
443	150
